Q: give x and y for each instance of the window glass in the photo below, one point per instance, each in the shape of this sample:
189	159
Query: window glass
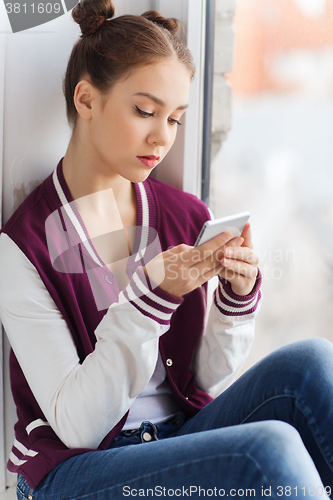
277	162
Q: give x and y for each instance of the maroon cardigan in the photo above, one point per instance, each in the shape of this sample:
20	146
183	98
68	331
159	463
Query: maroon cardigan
177	217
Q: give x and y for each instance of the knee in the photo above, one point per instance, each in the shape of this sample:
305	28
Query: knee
314	346
316	356
306	357
278	447
277	431
278	438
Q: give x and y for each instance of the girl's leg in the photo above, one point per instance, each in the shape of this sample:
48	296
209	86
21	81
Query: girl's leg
259	459
293	384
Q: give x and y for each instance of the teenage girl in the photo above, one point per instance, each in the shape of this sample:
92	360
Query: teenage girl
116	367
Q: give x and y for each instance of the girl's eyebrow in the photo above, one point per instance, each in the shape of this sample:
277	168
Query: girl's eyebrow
157	100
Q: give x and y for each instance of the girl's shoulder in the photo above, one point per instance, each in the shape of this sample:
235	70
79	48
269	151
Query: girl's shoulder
28	221
21	214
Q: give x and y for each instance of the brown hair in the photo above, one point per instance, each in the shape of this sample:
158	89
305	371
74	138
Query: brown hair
110	47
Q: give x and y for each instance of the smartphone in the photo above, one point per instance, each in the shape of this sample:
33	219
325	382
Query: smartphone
234	224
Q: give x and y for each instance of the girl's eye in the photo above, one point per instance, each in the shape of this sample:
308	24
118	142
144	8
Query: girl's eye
143	113
172	121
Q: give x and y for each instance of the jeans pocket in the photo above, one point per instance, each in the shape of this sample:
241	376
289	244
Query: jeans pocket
23	489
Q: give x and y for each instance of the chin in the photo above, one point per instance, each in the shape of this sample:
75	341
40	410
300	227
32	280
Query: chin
140	176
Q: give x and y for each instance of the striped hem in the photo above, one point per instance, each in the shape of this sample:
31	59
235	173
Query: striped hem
154	303
230	304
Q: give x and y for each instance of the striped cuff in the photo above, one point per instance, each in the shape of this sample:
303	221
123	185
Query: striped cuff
230	304
154	303
21	455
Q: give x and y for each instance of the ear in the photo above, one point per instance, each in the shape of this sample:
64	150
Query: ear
84	95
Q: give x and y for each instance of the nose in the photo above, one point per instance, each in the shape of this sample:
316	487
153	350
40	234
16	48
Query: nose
160	134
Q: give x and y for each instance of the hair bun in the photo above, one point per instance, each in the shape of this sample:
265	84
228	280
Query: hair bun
91	14
171	24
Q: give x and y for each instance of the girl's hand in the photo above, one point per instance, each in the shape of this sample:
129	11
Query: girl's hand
239	264
183	268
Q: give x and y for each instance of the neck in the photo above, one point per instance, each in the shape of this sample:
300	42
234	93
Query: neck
84	176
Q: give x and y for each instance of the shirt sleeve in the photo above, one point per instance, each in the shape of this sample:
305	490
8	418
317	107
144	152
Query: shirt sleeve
82	402
228	336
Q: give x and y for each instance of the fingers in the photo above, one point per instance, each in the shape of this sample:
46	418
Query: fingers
215	254
179	248
173	254
247	235
215	243
209	273
235	269
193	255
243	254
240	268
204	260
187	267
242	261
235	242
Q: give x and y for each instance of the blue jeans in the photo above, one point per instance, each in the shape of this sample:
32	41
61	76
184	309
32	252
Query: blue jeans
269	434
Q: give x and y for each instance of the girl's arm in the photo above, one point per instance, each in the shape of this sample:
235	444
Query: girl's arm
81	402
229	331
230	328
228	337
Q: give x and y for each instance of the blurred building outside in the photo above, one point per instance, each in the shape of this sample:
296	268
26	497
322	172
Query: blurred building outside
277	162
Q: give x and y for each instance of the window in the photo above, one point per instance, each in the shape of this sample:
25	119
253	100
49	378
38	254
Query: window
277	162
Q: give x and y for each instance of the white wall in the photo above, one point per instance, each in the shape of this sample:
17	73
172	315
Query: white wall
36	134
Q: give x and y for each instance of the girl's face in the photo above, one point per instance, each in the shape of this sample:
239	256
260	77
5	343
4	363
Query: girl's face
134	127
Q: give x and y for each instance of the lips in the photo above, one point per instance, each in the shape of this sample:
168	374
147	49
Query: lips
149	161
